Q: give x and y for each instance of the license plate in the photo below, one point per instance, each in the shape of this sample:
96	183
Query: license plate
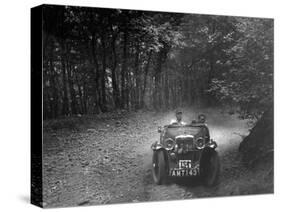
184	172
184	164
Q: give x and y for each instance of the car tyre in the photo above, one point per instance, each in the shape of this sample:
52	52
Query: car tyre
159	167
211	169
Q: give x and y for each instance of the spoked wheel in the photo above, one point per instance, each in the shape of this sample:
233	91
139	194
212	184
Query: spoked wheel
158	167
211	169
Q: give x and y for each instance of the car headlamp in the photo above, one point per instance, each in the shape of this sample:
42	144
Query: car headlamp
169	144
200	143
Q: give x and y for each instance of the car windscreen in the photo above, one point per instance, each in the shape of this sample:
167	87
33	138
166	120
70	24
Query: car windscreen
172	132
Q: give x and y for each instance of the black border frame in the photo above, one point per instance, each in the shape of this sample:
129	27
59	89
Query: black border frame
36	106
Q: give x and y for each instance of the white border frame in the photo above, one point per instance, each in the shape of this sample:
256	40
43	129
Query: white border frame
15	104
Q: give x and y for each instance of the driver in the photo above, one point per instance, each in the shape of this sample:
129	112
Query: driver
178	120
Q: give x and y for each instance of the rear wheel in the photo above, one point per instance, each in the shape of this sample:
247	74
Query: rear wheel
159	167
211	169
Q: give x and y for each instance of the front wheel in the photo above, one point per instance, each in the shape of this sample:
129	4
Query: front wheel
159	167
211	169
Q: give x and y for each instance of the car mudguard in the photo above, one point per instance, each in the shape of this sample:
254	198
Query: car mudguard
157	146
212	145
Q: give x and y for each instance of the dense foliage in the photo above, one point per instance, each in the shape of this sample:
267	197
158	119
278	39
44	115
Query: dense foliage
96	60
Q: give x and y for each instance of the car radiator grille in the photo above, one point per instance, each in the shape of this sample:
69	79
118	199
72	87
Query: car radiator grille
185	143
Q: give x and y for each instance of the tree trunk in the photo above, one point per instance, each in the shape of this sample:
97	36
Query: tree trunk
80	95
166	90
145	78
73	101
210	77
96	87
157	95
54	88
103	75
85	97
124	70
137	78
65	104
113	73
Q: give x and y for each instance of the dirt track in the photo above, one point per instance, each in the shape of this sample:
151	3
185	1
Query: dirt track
109	160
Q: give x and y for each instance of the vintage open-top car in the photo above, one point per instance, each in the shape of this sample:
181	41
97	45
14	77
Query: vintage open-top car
185	150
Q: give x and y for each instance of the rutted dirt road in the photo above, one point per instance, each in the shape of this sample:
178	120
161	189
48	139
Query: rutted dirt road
108	160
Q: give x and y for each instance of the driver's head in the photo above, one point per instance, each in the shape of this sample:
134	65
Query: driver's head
201	118
179	115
